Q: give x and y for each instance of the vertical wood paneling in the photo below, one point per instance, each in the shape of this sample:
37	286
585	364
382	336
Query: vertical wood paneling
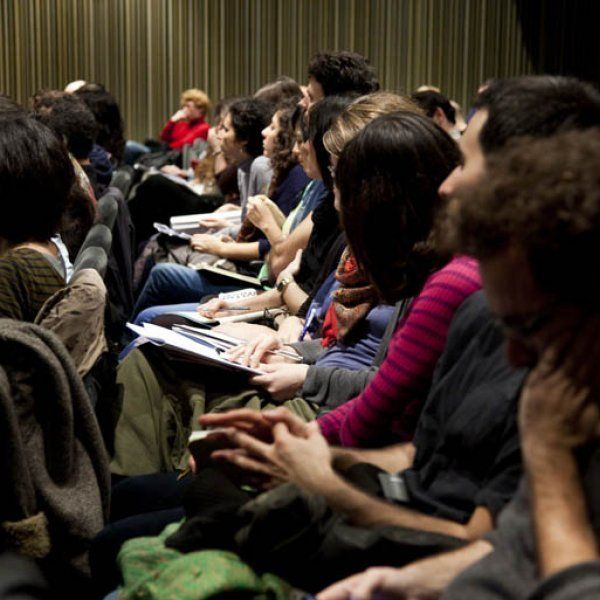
147	51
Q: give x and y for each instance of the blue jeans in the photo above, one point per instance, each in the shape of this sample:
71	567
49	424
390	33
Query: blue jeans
133	151
169	284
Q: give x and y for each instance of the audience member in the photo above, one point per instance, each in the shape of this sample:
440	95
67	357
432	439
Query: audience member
438	108
279	91
527	106
71	119
36	177
108	117
188	123
534	224
339	73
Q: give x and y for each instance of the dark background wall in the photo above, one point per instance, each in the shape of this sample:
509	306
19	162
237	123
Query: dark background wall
147	51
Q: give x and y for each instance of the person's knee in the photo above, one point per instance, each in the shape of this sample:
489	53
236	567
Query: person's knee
165	273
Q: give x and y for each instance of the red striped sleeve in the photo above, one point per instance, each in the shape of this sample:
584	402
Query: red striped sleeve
403	380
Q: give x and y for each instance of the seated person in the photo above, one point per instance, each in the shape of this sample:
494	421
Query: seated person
188	123
240	142
72	120
108	117
288	180
36	178
439	108
523	210
176	285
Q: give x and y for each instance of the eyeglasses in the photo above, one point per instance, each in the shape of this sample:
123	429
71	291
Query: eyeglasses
522	329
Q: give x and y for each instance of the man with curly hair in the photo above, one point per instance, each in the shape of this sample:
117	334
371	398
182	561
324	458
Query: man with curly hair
534	225
339	73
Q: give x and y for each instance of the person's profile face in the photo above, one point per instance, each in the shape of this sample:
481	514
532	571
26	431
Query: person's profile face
469	173
269	134
230	147
314	93
311	164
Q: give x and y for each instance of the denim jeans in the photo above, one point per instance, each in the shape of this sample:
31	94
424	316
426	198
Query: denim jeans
169	284
133	151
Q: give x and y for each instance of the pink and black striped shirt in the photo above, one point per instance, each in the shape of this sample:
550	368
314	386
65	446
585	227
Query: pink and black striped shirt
390	404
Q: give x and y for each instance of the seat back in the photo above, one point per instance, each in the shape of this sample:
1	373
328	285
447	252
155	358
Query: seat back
92	258
107	209
122	179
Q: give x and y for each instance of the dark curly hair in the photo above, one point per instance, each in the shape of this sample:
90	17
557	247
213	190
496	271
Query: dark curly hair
343	72
283	159
36	176
388	177
108	117
542	196
248	118
69	118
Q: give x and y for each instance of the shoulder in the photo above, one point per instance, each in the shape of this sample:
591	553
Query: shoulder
260	165
25	263
459	278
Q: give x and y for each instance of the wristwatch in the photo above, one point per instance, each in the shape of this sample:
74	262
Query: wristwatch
282	285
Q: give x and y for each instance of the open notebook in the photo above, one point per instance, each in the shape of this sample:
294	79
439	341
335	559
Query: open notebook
191	222
201	351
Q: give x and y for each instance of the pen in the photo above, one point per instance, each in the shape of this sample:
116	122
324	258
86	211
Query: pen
312	313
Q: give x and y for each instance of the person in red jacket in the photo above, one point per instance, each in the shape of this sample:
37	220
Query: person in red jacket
188	123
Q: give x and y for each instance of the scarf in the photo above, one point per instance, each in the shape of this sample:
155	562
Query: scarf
350	303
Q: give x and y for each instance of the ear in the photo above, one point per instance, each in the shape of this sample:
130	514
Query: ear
440	118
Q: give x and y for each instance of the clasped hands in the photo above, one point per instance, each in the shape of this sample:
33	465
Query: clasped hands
275	445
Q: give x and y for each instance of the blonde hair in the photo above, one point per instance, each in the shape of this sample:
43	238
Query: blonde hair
363	110
198	97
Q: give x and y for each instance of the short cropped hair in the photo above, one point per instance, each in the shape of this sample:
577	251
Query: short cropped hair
280	91
388	176
359	113
536	106
36	176
542	196
69	117
248	118
430	100
343	72
198	97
